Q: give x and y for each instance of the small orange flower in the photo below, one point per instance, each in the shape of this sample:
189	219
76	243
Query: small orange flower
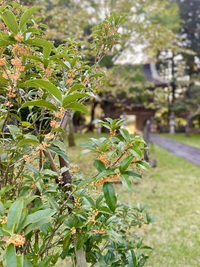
17	240
73	230
54	124
16	62
19	38
3	220
76	168
2	61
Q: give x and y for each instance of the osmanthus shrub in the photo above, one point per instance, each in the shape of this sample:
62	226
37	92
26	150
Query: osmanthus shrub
47	207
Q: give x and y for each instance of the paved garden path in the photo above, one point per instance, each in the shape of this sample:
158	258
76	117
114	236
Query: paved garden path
191	154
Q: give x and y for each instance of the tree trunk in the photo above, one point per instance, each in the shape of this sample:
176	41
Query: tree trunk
92	116
71	140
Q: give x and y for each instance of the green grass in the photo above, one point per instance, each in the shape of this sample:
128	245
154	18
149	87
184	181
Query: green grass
171	194
192	140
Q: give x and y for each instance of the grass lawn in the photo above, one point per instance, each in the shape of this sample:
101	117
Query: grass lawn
192	140
171	194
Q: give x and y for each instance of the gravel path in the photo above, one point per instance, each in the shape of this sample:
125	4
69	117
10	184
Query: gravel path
191	154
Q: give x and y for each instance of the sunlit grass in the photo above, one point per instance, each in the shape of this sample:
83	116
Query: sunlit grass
192	140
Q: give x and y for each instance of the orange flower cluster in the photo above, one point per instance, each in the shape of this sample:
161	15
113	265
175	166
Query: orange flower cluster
112	134
42	146
71	74
16	62
73	230
77	203
49	136
21	50
76	168
2	61
101	231
2	25
9	104
54	124
108	179
59	114
103	158
3	220
19	38
48	71
69	81
17	240
32	154
92	217
11	93
135	160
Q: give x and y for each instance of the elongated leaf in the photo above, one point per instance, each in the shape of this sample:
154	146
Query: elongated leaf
15	131
38	215
59	152
26	16
99	165
125	163
59	144
125	135
110	197
77	107
27	141
39	103
105	173
14	214
1	208
143	165
36	225
20	260
47	85
10	21
136	151
11	257
134	174
126	181
38	42
73	98
76	87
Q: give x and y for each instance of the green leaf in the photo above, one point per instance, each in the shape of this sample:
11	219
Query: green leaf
20	260
77	107
105	173
38	215
76	87
15	131
125	135
125	163
134	174
27	141
36	225
11	257
14	214
143	165
110	197
39	103
72	98
1	208
135	151
10	21
59	152
26	16
59	144
47	85
99	165
126	181
38	42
